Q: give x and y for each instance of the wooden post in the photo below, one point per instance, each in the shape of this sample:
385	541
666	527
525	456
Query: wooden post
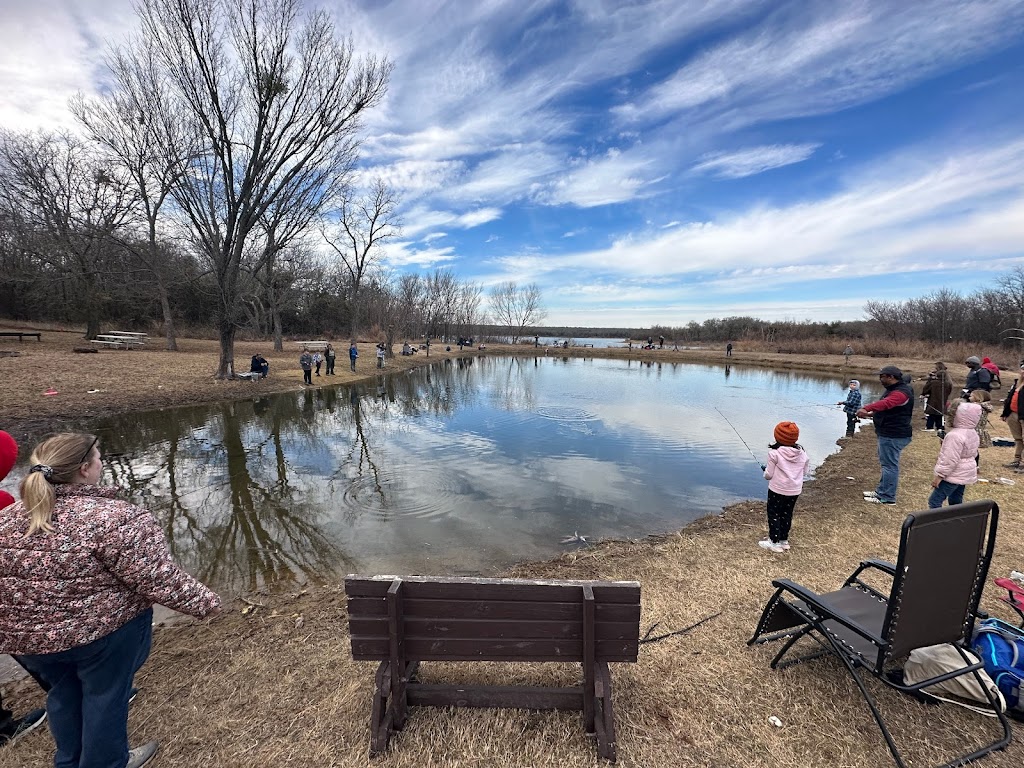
588	658
397	642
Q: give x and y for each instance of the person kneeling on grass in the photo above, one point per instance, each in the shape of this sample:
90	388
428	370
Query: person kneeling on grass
785	470
81	571
956	467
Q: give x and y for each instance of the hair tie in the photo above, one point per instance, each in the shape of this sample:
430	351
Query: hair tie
46	471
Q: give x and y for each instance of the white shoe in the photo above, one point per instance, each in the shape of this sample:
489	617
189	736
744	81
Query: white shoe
770	545
139	756
784	544
870	494
876	500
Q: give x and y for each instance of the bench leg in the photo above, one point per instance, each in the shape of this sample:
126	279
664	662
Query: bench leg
390	709
604	720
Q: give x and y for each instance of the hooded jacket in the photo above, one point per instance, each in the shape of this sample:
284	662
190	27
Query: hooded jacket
786	468
8	456
956	456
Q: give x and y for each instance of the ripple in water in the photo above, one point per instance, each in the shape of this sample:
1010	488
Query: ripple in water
565	413
424	494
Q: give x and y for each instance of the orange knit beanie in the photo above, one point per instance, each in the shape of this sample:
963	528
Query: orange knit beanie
786	433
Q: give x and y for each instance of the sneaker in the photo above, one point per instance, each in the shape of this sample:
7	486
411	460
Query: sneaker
784	544
29	722
139	756
770	545
929	430
876	500
1013	464
870	494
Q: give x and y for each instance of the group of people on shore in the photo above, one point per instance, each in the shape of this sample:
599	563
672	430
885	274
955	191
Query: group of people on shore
80	572
961	424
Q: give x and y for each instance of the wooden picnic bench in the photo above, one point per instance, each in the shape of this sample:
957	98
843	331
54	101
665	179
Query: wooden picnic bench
22	334
401	621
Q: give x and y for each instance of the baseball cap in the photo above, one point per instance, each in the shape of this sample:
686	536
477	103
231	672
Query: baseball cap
891	370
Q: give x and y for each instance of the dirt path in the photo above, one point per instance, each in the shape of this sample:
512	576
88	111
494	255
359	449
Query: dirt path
273	685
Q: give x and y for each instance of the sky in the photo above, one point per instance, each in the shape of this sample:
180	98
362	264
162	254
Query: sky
660	162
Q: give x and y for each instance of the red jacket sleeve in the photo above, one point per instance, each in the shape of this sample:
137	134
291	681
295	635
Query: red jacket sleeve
892	400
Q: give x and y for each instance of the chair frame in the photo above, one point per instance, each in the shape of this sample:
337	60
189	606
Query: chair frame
795	612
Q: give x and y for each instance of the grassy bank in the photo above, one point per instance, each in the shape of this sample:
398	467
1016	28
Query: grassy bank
272	684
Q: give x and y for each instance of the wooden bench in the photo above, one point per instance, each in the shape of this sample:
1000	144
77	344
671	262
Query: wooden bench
401	621
22	334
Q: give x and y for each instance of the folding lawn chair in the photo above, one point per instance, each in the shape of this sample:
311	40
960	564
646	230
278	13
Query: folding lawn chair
936	586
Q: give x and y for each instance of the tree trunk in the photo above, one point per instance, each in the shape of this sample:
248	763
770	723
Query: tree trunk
92	326
165	305
226	368
278	339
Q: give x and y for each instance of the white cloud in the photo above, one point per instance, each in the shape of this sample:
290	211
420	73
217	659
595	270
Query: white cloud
402	253
613	178
896	217
747	162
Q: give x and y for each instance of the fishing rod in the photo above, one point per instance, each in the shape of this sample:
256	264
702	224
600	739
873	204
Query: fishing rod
740	437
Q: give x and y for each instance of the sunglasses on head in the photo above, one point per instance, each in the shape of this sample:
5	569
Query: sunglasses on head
88	450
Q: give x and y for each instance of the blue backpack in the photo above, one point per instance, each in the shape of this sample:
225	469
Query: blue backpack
1001	648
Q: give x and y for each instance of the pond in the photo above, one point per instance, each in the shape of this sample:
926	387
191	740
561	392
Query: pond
464	467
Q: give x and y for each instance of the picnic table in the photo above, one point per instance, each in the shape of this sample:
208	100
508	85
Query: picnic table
22	334
315	345
120	339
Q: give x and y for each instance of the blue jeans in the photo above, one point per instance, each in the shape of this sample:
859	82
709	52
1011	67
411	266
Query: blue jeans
889	450
88	699
951	491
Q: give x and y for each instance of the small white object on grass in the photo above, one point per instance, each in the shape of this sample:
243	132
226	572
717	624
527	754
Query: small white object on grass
775	721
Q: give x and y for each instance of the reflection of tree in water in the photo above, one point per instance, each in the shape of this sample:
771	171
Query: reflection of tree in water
239	487
260	531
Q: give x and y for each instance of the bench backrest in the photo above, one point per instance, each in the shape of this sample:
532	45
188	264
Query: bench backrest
465	619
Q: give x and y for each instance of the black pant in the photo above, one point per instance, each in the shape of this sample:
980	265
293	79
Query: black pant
780	515
330	366
933	421
851	422
318	369
352	362
307	376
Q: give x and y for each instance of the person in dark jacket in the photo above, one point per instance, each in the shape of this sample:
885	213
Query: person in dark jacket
892	416
1012	416
851	405
936	391
978	377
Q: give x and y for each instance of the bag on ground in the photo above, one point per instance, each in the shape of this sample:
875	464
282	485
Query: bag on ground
935	660
1001	647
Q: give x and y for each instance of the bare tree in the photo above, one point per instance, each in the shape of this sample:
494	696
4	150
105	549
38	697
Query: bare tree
275	98
69	209
364	224
147	143
516	308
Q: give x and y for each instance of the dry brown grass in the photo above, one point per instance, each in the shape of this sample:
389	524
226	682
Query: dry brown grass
264	689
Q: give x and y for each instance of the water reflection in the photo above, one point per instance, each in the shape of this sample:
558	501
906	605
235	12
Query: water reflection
463	467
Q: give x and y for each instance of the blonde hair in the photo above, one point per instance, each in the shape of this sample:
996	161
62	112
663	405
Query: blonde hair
980	396
54	462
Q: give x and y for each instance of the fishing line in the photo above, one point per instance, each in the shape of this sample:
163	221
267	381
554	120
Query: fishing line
739	436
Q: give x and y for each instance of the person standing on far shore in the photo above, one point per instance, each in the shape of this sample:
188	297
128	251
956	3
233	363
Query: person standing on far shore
317	361
329	356
353	353
306	363
785	470
728	349
847	354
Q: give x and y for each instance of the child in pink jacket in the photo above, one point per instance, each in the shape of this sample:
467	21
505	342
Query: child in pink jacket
956	466
785	470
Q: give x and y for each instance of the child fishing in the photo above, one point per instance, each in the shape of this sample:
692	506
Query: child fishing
785	470
851	405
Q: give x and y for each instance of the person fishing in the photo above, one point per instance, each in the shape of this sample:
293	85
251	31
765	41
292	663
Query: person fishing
785	469
851	405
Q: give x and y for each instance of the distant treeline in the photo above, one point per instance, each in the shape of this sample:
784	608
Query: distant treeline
990	317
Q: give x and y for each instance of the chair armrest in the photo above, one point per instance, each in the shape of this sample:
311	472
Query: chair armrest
813	600
880	565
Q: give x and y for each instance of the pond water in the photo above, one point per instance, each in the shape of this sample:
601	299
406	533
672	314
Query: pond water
463	467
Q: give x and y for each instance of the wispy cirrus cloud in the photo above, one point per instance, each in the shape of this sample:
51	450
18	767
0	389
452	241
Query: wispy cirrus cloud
747	162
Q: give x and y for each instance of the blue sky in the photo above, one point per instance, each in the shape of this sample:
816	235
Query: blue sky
661	162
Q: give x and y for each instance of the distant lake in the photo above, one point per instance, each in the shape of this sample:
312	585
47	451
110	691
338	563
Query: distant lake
464	467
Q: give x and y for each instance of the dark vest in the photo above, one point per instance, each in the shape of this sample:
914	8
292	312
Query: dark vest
896	422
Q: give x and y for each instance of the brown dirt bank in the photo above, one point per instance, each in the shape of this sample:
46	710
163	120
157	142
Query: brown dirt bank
275	686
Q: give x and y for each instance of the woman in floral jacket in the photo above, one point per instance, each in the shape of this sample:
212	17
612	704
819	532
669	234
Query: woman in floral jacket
80	571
